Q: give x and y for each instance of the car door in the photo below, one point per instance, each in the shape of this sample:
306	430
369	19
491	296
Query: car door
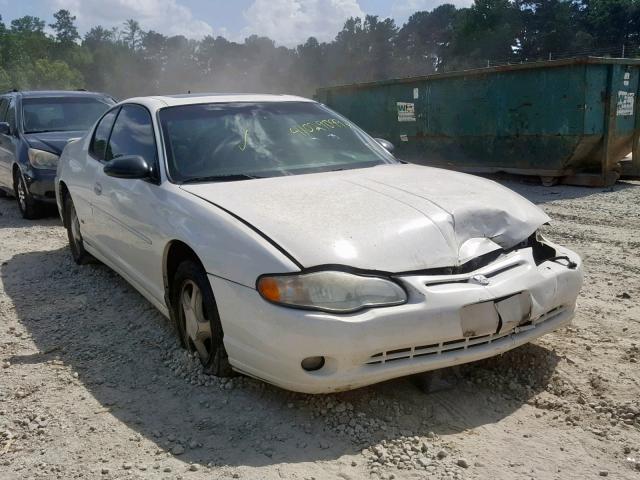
83	176
7	148
127	209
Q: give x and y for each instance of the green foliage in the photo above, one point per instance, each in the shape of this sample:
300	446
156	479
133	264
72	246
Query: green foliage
54	74
5	81
28	25
30	59
66	31
425	42
132	33
129	61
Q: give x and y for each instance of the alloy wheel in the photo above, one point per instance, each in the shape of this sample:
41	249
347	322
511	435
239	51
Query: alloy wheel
22	194
197	327
75	229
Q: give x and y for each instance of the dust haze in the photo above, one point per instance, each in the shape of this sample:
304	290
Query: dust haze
130	60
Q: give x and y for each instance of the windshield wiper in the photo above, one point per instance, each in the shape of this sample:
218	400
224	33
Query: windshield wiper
355	166
220	178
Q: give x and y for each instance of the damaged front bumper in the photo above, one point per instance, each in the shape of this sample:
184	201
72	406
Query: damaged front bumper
449	319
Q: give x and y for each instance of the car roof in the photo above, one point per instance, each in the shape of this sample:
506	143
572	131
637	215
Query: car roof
161	101
56	93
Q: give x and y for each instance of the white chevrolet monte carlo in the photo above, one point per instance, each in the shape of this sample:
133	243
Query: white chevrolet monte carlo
287	244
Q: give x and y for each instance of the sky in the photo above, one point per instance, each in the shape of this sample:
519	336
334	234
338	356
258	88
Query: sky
288	22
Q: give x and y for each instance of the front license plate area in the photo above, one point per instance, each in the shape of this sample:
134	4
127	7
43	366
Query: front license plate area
479	319
514	311
498	316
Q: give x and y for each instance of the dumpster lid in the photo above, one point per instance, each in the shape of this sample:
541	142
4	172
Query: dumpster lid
486	70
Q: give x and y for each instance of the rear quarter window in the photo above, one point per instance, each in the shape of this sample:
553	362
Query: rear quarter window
99	142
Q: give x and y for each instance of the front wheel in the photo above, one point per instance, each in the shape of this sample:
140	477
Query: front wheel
197	320
29	207
76	244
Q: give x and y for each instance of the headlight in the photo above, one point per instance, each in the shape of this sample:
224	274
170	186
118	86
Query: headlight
42	159
331	291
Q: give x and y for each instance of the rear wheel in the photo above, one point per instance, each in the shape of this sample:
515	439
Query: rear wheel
80	255
29	207
197	320
549	181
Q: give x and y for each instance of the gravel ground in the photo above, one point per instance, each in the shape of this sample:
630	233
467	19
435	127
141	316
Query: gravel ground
93	385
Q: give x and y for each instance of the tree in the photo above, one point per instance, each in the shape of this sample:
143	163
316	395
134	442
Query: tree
28	25
614	22
363	50
311	63
6	82
132	34
99	36
24	42
54	74
66	31
129	61
424	42
487	30
549	26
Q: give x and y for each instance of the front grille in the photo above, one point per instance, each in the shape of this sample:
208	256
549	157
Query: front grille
440	348
541	253
467	278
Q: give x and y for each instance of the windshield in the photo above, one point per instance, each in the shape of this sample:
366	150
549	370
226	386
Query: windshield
62	114
236	141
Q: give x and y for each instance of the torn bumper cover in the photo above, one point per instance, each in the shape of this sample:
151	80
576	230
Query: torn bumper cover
450	318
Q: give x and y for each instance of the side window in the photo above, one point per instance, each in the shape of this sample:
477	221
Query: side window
4	105
98	147
133	135
11	116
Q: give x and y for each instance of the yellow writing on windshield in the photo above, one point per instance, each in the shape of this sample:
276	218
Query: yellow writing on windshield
317	126
243	147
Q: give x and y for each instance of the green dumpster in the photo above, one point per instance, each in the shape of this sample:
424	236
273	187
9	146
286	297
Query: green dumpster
567	120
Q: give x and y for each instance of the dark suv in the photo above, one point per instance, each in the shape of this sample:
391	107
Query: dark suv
34	129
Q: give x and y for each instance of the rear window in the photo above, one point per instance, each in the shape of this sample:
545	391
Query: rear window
62	114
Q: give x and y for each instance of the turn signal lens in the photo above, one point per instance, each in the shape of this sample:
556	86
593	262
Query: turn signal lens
331	291
269	289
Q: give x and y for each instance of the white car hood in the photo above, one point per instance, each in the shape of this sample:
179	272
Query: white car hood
392	218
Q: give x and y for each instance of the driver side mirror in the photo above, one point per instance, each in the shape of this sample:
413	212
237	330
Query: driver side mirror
5	128
386	144
129	167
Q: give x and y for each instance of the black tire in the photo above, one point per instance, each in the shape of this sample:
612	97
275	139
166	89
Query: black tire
72	224
549	181
29	207
188	275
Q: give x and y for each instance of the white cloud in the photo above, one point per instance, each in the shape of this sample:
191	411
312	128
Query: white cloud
290	22
165	16
403	9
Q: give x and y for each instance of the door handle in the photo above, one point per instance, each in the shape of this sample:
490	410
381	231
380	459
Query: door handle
97	188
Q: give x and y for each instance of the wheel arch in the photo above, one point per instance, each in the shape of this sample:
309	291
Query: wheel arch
175	252
63	192
15	171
